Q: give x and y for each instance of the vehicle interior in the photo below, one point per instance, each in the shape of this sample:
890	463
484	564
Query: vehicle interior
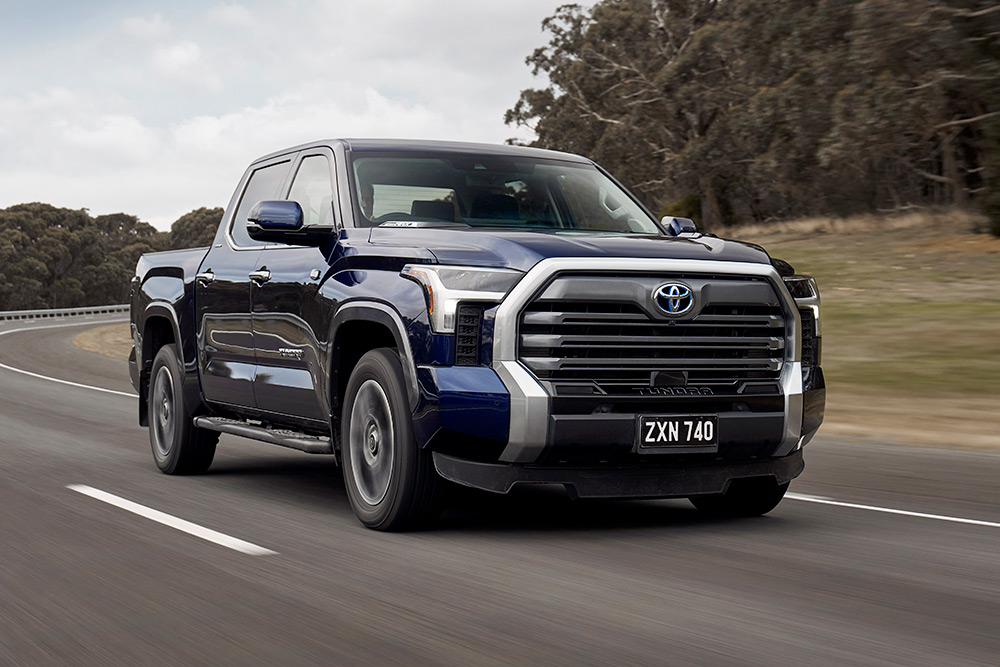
478	191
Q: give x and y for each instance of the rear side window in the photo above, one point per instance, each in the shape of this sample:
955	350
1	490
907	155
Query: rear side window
265	183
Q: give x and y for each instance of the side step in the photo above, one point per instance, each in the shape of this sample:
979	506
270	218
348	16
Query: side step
306	443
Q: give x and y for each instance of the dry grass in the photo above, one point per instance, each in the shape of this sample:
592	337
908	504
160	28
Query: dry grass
808	228
111	341
911	322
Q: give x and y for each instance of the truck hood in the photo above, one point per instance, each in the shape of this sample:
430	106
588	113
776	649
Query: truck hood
523	249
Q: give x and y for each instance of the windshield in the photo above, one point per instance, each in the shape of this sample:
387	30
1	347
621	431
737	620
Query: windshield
493	191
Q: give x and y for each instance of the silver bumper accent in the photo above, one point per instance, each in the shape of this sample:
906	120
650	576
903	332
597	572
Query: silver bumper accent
529	413
791	387
529	402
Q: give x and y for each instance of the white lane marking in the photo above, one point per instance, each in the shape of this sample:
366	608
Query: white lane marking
172	521
52	379
67	382
888	510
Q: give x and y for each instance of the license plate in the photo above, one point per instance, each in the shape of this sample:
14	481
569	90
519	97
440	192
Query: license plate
678	433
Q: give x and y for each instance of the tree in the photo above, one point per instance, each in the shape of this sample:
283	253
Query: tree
771	109
617	77
62	258
195	229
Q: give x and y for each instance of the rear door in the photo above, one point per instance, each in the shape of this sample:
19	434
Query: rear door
290	320
226	358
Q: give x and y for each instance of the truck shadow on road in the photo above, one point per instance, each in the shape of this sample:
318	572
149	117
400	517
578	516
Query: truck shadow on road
315	485
551	509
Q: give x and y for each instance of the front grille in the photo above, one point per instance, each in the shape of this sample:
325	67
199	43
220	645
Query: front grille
736	334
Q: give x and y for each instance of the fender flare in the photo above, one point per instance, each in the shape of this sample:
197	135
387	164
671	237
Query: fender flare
387	316
166	310
191	383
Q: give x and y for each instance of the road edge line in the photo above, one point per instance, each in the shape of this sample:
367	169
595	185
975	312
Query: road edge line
888	510
52	379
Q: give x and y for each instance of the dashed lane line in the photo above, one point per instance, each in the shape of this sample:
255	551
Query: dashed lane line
173	522
52	379
888	510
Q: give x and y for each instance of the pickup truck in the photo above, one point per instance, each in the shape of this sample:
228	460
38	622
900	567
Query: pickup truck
433	312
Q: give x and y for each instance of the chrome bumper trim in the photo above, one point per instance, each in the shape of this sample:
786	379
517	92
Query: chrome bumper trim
529	413
791	387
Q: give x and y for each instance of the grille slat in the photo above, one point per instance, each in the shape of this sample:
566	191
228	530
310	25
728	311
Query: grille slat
559	317
555	364
619	344
688	342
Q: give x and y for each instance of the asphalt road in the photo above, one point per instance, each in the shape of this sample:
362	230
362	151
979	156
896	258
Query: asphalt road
528	579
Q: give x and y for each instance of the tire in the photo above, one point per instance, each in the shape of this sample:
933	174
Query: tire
391	483
179	447
753	496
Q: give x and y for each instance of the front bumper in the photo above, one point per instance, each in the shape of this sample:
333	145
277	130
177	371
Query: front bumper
531	425
646	481
502	423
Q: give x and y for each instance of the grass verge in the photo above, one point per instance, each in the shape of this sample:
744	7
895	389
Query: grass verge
911	323
112	341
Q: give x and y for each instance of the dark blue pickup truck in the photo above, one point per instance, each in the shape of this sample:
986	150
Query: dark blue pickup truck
485	315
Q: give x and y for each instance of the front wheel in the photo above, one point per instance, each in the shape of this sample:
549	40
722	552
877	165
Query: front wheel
179	447
391	483
753	496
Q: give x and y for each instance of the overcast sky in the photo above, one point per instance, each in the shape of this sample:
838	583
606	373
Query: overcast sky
155	108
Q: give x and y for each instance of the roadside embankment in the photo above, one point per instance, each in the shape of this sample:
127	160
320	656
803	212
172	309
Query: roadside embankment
910	319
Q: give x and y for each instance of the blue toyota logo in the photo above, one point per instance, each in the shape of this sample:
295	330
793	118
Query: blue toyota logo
673	298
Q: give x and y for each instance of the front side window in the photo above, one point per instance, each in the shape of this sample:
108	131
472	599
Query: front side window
264	184
484	191
313	190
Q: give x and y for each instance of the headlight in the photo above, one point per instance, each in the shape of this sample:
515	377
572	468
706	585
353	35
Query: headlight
801	287
806	294
445	286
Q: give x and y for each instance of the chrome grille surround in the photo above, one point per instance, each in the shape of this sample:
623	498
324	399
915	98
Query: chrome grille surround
607	332
529	401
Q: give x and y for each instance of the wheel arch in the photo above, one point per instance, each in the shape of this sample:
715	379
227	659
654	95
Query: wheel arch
159	326
359	327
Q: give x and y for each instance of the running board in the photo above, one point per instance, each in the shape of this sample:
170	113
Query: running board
306	443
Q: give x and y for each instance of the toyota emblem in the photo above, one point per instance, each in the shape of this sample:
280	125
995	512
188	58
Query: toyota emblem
673	298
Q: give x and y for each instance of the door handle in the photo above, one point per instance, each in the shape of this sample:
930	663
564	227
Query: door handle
260	277
205	278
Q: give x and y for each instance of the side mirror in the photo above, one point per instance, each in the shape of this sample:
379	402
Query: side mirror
678	226
275	216
280	221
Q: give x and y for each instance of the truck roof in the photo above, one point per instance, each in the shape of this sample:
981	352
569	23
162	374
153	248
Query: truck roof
427	146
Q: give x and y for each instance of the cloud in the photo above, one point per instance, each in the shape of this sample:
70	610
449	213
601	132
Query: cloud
232	15
182	62
297	116
120	137
114	162
166	122
153	27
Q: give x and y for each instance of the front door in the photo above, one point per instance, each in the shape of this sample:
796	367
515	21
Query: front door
290	319
226	359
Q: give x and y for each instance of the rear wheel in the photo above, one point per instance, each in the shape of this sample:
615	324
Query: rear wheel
179	447
391	483
745	497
